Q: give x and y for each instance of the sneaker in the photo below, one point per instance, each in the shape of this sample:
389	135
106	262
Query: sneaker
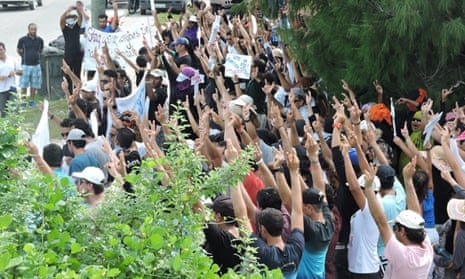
32	104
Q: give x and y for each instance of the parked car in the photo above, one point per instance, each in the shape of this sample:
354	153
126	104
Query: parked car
32	4
164	5
223	4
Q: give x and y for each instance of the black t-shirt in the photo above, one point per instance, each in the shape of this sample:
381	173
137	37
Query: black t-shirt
31	47
160	99
254	90
219	244
72	44
287	260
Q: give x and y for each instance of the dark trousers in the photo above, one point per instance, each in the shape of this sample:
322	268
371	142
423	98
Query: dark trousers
375	275
5	97
75	63
340	261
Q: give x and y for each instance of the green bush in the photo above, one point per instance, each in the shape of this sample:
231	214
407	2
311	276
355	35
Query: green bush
44	233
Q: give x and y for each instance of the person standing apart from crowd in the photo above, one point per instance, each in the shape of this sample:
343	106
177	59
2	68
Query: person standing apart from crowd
29	48
9	68
70	24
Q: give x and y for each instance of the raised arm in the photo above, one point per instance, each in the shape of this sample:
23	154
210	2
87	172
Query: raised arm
412	199
375	207
297	217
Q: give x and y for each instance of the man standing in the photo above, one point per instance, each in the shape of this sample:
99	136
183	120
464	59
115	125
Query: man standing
109	27
155	91
8	69
76	142
70	24
29	48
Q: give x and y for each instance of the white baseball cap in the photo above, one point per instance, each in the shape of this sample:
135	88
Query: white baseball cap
92	174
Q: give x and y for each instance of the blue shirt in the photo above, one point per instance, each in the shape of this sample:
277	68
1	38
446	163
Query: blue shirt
428	210
82	161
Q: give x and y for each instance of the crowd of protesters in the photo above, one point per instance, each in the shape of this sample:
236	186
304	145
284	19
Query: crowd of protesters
339	188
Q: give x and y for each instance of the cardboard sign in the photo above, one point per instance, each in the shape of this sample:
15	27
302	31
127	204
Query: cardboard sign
239	65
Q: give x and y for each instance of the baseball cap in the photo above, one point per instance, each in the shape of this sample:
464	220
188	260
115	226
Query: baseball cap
461	136
312	196
181	41
277	52
223	205
156	73
92	174
185	74
410	219
385	172
89	87
76	134
193	18
376	182
235	106
299	92
456	209
418	115
450	116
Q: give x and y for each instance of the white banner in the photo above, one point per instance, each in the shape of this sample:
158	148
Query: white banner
239	65
125	41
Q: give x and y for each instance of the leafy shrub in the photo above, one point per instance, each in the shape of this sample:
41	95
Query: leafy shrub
44	233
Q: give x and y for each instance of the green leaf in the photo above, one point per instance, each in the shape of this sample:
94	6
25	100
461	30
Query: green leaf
113	272
4	261
157	241
75	248
5	221
28	248
176	263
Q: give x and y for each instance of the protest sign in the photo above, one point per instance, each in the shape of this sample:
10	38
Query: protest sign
239	65
125	41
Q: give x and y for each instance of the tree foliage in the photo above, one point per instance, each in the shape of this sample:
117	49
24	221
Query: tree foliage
404	44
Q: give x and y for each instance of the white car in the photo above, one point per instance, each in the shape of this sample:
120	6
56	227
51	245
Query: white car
32	4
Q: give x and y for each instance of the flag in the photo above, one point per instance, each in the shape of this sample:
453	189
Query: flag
41	136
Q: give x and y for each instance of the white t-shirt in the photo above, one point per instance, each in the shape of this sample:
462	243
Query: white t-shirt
407	262
363	242
6	67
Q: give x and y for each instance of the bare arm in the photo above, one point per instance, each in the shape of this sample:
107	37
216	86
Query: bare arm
412	199
297	218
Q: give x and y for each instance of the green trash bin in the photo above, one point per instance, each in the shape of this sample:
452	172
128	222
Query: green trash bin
52	76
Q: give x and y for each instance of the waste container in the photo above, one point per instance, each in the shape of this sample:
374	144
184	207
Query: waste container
52	76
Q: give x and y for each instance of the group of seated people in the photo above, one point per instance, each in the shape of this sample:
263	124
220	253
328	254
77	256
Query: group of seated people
333	192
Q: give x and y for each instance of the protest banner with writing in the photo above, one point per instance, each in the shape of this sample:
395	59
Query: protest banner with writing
239	65
125	41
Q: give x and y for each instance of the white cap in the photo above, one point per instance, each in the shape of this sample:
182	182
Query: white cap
193	18
456	209
89	87
236	105
411	220
376	182
92	174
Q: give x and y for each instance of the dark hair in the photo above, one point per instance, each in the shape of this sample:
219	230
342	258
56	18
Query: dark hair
110	73
98	189
79	143
2	45
269	77
103	16
387	183
420	182
142	51
269	198
53	155
84	126
125	138
167	33
272	219
260	64
67	123
141	61
416	236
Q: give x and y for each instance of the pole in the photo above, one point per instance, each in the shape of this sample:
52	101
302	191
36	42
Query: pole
97	7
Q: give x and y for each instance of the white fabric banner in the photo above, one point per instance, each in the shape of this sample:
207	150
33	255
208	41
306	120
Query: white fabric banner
128	42
41	136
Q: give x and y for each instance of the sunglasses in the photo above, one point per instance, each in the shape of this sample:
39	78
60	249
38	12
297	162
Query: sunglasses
416	119
104	81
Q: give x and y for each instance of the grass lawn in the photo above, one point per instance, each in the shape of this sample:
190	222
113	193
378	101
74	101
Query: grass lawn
32	116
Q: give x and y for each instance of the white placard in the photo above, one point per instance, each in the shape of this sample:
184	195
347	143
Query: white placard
239	65
125	41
